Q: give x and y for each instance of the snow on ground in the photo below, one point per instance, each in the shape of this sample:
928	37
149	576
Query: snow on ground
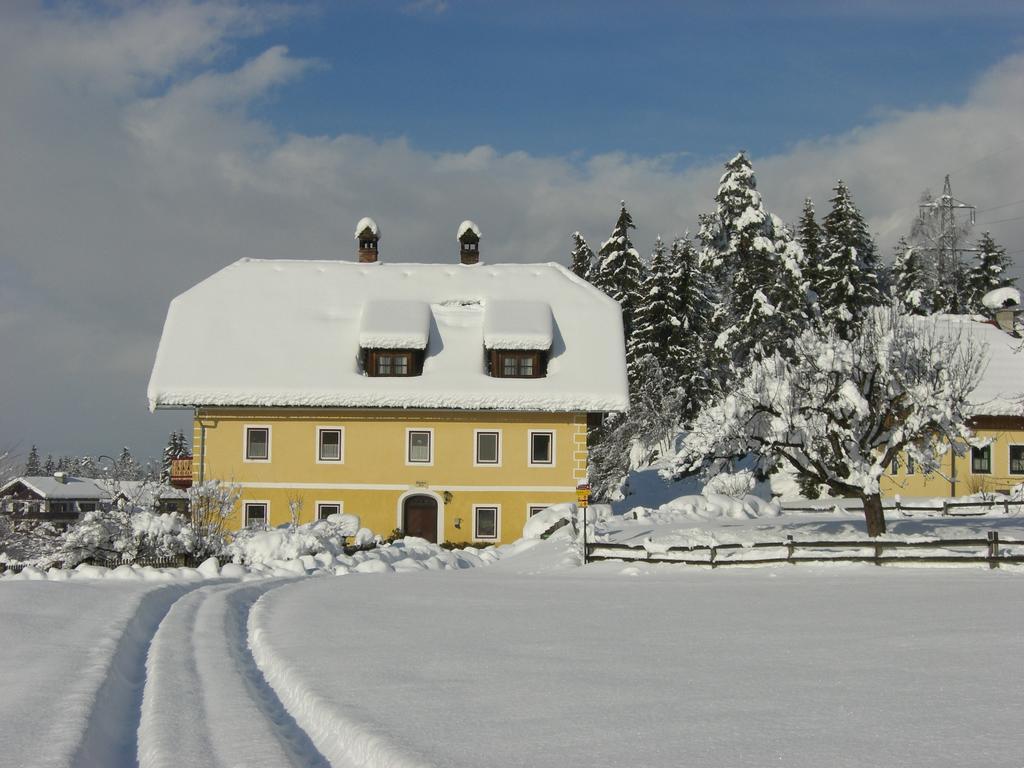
652	665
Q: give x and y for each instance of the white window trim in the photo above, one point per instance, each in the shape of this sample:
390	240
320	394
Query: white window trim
341	445
245	443
476	438
497	522
408	432
970	461
529	448
542	504
245	511
1009	464
319	503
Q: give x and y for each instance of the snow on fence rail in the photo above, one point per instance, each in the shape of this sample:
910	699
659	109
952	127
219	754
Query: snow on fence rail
818	552
949	508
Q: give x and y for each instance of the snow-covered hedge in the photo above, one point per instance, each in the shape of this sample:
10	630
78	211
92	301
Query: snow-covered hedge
253	547
128	536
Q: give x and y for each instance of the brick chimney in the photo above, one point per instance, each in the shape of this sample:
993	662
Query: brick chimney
469	243
368	235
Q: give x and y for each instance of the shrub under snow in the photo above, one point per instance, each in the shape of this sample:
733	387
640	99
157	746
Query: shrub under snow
117	534
253	547
733	484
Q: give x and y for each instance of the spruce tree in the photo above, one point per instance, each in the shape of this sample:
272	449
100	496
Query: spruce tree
49	467
910	280
751	256
988	272
654	330
692	299
582	261
849	272
620	273
809	236
32	466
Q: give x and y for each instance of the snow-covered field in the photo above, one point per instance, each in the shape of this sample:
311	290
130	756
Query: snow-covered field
523	660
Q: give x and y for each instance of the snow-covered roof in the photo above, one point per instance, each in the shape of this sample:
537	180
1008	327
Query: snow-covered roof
367	223
389	324
299	344
1000	392
517	325
468	226
50	487
141	492
1001	297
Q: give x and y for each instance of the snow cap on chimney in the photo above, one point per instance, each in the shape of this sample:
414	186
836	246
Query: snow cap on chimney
469	242
368	235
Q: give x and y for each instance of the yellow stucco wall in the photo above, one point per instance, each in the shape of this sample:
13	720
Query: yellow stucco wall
955	476
374	476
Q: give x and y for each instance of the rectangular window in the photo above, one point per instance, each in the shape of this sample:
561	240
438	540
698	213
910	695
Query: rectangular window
86	506
516	365
542	447
329	445
535	509
485	522
58	507
419	446
325	509
257	443
1017	459
981	460
255	514
911	467
392	363
488	448
894	468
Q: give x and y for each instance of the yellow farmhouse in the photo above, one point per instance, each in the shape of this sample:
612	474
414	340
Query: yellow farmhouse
450	401
998	416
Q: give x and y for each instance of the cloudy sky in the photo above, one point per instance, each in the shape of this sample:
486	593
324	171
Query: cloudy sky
143	147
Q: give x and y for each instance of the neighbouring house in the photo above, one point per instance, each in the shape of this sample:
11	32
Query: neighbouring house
146	495
59	498
450	401
997	404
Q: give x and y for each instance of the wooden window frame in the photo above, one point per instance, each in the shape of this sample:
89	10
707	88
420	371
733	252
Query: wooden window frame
476	448
246	429
988	471
537	357
1009	459
529	448
477	536
319	458
408	447
266	512
413	362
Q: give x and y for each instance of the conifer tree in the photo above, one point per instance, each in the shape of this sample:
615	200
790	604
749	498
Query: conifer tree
49	467
849	272
126	468
176	448
909	279
988	272
809	236
32	466
655	327
691	296
582	262
620	273
756	264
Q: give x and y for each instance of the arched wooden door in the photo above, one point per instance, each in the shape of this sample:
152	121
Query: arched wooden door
419	517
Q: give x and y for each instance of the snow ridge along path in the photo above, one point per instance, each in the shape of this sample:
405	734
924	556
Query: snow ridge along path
205	701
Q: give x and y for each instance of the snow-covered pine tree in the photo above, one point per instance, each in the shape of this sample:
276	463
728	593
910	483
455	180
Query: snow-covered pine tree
176	448
691	296
655	326
988	272
754	260
849	271
49	466
810	238
32	466
85	466
126	468
909	279
582	261
620	273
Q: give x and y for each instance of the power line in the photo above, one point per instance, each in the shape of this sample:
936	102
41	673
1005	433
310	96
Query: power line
1002	221
998	207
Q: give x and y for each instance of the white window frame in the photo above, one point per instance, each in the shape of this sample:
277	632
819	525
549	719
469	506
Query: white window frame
245	443
539	506
321	428
970	460
1009	462
408	445
245	511
476	447
339	504
497	522
529	448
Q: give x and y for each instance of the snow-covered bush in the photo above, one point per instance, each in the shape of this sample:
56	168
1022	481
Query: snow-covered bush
733	484
210	505
254	547
117	534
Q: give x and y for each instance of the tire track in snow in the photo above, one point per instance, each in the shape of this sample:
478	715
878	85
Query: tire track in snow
206	702
110	735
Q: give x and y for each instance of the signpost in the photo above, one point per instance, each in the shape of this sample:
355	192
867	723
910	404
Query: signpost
582	502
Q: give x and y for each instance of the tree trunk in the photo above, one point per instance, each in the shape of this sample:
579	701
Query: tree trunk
874	515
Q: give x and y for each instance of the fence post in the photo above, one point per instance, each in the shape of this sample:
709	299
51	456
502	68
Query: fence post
899	507
713	552
945	508
878	553
993	549
1006	507
789	548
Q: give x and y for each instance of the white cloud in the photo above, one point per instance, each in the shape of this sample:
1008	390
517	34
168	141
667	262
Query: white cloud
132	169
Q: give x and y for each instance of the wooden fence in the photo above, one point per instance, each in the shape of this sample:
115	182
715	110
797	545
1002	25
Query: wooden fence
947	509
988	550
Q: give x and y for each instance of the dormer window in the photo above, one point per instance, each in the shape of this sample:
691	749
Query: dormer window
394	362
516	364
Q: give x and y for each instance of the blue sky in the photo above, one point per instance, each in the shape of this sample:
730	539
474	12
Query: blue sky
698	80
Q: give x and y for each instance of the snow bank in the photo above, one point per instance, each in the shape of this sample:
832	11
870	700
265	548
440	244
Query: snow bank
709	506
1001	297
